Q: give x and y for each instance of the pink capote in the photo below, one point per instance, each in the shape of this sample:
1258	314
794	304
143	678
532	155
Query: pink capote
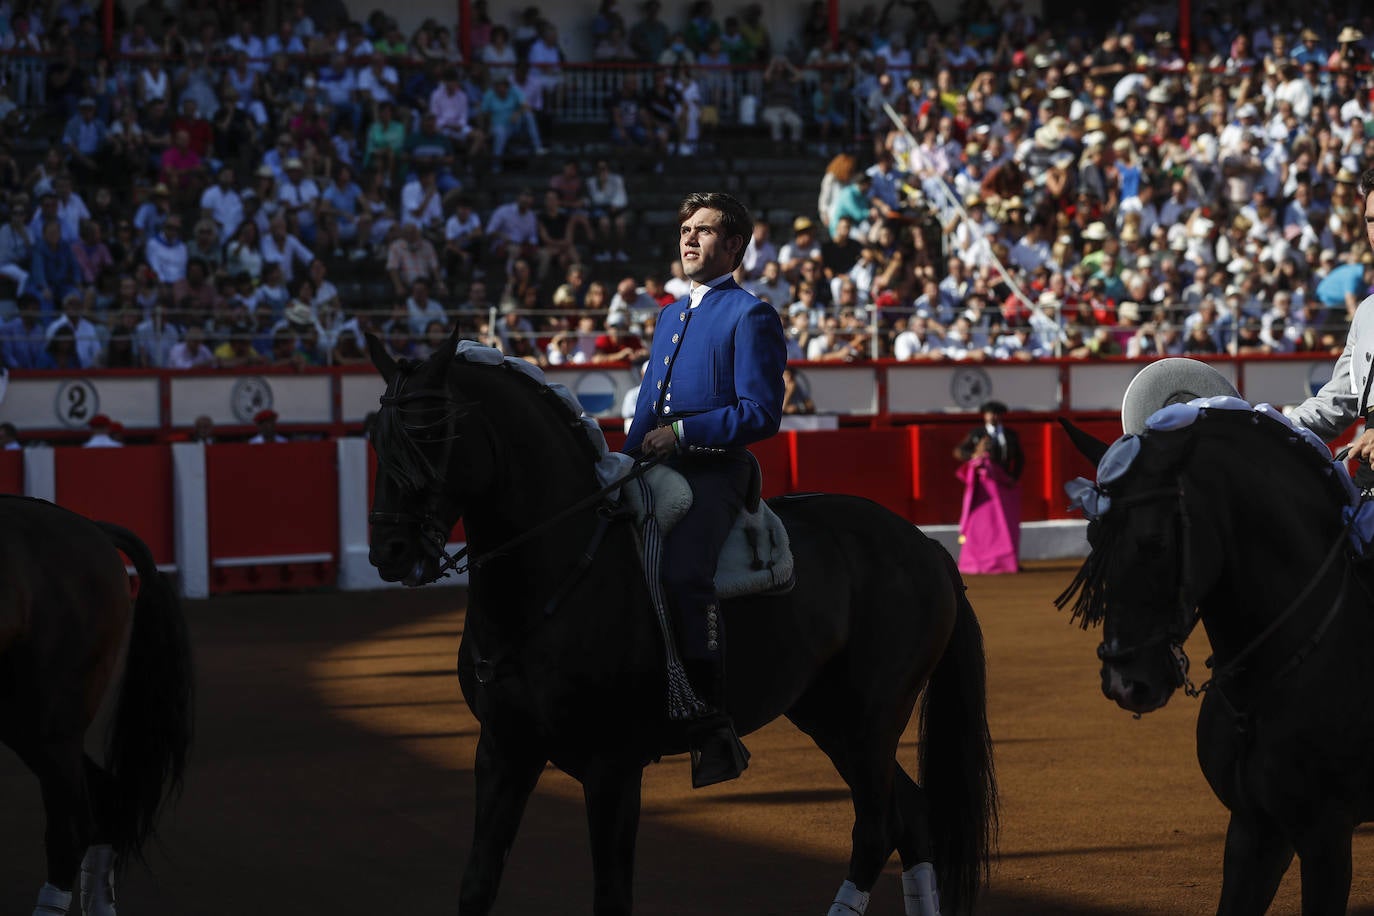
990	524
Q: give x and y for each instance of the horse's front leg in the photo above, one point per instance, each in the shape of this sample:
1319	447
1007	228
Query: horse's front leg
1324	852
1257	855
506	775
611	789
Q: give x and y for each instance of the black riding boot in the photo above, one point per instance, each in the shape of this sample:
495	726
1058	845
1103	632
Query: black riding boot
717	753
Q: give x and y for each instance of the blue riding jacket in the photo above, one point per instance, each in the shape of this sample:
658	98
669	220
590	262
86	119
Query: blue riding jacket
717	368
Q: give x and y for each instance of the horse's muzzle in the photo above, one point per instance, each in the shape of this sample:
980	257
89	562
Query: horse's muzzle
1131	693
396	561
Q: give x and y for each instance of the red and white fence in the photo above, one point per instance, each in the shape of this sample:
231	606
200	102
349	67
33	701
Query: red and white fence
235	517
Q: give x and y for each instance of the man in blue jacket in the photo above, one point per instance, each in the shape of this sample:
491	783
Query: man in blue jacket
713	385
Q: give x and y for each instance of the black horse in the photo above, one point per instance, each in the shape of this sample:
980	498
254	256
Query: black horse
64	616
567	667
1235	519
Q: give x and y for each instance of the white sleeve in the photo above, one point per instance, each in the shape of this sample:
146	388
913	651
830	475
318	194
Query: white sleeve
1332	409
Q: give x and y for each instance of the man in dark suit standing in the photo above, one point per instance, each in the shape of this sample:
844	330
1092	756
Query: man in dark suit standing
1003	444
713	386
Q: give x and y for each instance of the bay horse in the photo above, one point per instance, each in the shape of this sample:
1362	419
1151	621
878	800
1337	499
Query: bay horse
561	657
1230	516
65	607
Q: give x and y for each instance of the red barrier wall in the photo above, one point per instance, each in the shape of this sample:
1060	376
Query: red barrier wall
775	461
270	500
129	486
12	472
873	463
938	494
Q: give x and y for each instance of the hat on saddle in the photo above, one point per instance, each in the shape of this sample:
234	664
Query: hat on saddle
1169	381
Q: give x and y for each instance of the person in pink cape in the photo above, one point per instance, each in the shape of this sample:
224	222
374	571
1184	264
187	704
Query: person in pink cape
990	523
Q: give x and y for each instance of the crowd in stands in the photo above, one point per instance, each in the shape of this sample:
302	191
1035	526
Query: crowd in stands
1004	188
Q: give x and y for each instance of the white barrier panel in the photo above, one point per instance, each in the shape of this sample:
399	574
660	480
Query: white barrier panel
359	395
1283	382
809	422
232	400
849	390
599	391
58	402
191	525
1100	386
937	387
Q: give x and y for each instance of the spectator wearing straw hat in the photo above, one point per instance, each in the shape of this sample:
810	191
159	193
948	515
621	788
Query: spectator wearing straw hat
299	199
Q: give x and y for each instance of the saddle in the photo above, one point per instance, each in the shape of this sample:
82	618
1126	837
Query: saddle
756	557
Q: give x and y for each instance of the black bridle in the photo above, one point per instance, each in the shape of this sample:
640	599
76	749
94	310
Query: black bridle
414	473
1189	612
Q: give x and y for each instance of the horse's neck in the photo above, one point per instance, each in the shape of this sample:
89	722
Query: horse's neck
544	472
1274	549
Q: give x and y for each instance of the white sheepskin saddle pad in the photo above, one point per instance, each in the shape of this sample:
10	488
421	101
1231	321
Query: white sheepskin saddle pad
756	557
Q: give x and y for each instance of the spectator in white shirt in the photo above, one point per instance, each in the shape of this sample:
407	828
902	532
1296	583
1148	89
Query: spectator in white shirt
378	80
221	202
421	202
280	247
299	197
608	201
918	341
421	309
191	352
166	252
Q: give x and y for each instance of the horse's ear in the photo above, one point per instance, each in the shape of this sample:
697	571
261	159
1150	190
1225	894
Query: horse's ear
380	358
1087	444
451	348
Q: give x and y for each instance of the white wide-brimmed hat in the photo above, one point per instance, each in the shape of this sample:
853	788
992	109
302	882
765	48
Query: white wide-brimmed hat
1176	380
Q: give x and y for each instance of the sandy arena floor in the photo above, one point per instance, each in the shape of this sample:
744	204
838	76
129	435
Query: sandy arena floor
332	776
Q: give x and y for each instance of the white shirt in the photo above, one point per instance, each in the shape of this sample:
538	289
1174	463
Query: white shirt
699	290
226	209
300	198
416	209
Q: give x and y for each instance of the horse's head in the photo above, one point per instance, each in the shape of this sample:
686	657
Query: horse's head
1139	581
433	455
1217	512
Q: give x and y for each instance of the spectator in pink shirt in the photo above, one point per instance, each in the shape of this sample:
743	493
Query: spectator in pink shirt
183	171
449	105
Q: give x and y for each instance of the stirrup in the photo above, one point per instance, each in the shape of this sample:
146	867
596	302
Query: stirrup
717	753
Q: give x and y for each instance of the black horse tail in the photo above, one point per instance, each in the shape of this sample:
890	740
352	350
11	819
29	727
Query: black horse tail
153	723
956	761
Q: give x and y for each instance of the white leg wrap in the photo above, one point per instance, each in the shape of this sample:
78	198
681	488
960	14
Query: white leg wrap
918	888
849	901
97	882
52	902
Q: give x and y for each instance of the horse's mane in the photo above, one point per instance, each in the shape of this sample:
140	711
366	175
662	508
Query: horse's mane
562	402
1181	433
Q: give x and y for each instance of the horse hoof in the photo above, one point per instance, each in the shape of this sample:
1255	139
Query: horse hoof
97	882
52	901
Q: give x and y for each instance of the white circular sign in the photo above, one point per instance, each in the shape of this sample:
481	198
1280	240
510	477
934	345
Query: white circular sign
250	395
970	387
77	401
